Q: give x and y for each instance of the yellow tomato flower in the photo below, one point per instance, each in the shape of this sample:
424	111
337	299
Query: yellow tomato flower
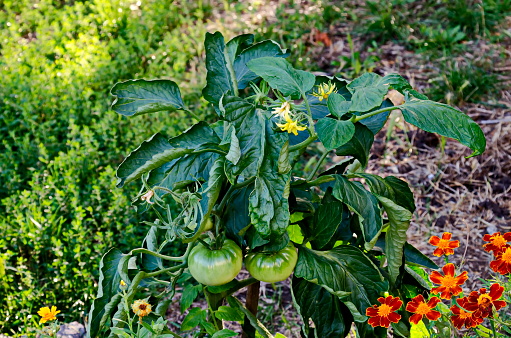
290	126
284	109
141	308
324	90
47	314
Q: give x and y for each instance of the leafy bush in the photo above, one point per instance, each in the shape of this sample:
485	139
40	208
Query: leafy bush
59	206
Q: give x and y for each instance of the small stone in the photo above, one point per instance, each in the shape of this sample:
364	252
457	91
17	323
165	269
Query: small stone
71	330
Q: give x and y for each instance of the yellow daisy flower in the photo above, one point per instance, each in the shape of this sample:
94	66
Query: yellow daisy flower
324	90
290	126
141	308
47	314
284	109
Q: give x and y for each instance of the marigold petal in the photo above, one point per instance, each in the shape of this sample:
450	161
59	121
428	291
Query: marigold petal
448	269
372	311
457	322
381	300
496	291
454	244
499	304
438	252
396	304
412	306
434	240
394	317
446	235
446	295
488	237
507	236
416	318
433	302
374	321
448	252
436	277
433	315
384	321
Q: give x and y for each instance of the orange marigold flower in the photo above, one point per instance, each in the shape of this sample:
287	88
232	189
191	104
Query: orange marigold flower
47	314
444	245
384	314
141	308
482	303
502	262
498	242
461	317
419	306
449	283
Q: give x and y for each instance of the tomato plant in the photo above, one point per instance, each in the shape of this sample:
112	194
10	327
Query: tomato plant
215	266
239	175
272	267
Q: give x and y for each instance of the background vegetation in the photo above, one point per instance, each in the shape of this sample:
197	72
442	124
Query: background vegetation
59	208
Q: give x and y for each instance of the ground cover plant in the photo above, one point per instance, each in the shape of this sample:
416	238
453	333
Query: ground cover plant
344	239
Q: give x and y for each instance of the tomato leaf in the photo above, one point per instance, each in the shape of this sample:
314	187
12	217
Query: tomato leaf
265	48
282	76
390	187
362	202
194	317
225	333
190	292
399	220
229	314
249	125
375	123
150	262
345	272
268	203
337	105
412	255
236	216
151	154
108	287
359	146
237	44
445	120
137	97
218	77
327	218
330	316
334	133
368	92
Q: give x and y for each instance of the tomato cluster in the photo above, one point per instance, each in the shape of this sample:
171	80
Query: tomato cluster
220	266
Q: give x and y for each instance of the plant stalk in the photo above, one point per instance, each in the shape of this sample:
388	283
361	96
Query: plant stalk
376	112
318	165
251	305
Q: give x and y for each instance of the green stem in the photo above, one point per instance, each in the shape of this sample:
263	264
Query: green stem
171	269
304	144
193	114
244	183
204	243
318	165
376	112
492	323
155	254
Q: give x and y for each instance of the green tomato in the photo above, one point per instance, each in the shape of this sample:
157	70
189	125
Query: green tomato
215	267
272	267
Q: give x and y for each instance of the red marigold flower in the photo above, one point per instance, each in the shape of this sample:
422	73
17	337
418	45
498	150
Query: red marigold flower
384	314
444	245
498	242
449	283
419	306
462	317
482	303
502	262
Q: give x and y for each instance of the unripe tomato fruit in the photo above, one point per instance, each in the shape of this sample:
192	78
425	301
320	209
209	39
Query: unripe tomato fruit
215	267
272	267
